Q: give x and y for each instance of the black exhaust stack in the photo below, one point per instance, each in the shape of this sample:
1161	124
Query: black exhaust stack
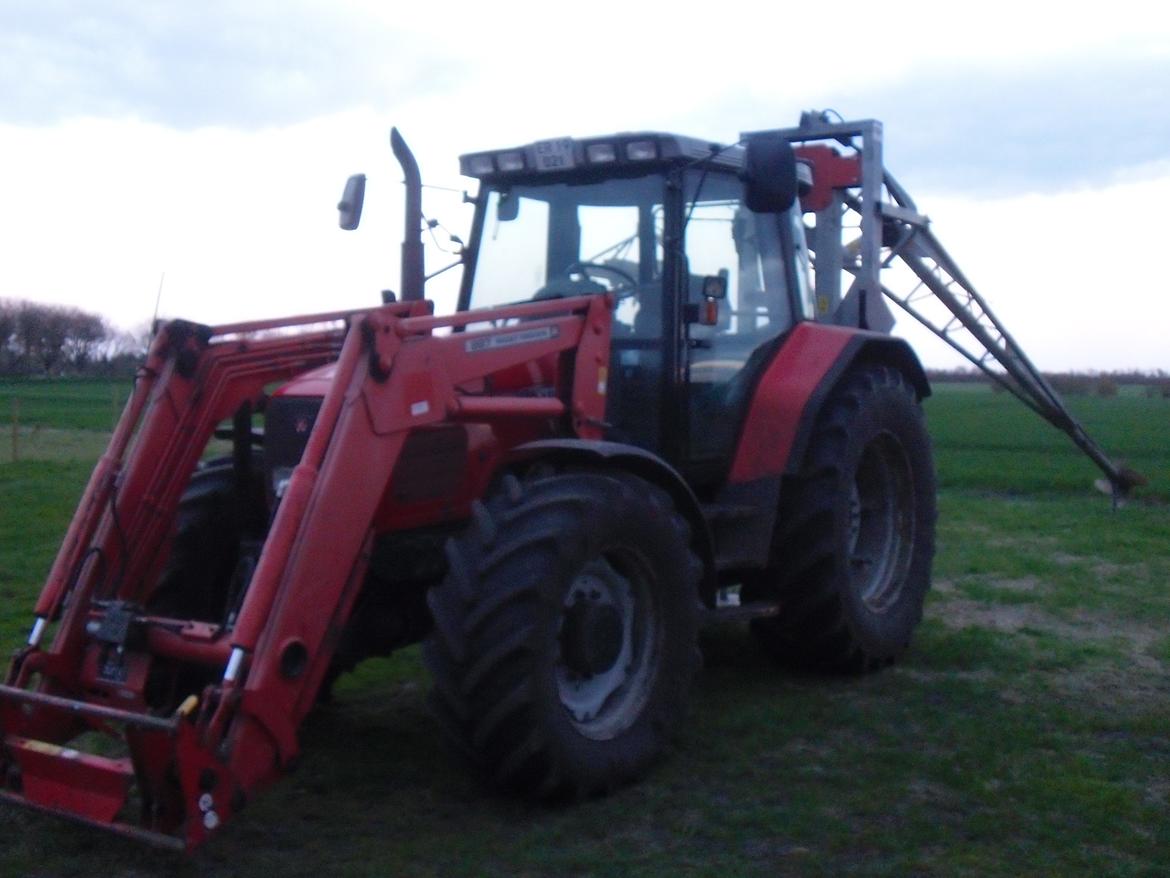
413	274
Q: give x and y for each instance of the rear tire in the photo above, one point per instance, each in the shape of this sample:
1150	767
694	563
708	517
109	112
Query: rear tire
565	633
855	538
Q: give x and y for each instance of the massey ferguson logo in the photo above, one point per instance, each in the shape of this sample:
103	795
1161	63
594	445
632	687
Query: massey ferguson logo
508	339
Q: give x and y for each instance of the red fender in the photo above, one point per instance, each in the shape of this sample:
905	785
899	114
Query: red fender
790	391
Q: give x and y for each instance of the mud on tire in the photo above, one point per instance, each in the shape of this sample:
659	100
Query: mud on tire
855	535
564	638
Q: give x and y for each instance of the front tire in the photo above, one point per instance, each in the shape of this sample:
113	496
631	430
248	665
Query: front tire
565	632
217	516
855	538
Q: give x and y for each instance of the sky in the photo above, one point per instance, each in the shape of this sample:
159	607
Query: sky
203	147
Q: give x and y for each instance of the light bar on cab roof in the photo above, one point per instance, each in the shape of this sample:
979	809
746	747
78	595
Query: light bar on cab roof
480	165
600	153
641	150
510	162
566	154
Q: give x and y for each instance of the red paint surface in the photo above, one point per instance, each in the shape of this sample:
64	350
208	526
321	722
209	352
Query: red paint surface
831	170
781	397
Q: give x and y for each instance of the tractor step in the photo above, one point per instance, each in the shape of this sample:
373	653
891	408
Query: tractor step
742	534
726	512
739	612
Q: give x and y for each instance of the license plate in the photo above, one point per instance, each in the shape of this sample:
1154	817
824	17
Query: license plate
554	155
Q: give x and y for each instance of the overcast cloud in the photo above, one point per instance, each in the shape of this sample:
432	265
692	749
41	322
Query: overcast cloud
1045	123
217	63
1009	131
1000	130
209	140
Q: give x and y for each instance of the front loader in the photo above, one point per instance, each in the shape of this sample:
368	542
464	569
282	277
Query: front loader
633	424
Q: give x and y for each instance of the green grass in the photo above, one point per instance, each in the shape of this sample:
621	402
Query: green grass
36	503
64	403
1027	732
989	441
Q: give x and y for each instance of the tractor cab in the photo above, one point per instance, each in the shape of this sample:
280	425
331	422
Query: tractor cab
702	286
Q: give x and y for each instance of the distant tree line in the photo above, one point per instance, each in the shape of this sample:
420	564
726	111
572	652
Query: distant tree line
59	340
38	339
1087	383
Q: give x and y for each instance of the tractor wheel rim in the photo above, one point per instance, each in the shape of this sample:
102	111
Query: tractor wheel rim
881	523
606	657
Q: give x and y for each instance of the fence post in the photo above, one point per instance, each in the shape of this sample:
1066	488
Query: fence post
15	429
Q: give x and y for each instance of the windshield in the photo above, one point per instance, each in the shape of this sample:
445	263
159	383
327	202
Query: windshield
566	239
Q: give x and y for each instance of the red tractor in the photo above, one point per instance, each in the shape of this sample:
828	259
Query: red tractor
641	417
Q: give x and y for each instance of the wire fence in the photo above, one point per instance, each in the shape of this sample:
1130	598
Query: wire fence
61	421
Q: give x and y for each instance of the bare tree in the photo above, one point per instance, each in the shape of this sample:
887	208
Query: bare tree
50	339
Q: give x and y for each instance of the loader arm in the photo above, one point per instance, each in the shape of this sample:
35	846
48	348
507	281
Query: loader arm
181	767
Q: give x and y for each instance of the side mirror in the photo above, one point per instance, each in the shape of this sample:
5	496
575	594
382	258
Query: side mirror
715	285
769	174
714	292
349	209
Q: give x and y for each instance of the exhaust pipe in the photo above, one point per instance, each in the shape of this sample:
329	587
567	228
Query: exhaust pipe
413	274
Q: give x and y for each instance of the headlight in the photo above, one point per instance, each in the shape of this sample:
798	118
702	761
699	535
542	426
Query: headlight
510	161
480	165
599	153
641	150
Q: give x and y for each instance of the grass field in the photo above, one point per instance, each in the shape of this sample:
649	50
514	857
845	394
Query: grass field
1027	732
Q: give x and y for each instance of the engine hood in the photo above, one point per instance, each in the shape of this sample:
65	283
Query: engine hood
314	383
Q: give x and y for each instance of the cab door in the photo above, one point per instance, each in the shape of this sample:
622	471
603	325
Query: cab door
745	251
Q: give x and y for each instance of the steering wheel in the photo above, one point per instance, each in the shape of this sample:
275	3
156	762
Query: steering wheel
622	284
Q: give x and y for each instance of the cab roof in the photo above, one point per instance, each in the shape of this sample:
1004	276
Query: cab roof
610	154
